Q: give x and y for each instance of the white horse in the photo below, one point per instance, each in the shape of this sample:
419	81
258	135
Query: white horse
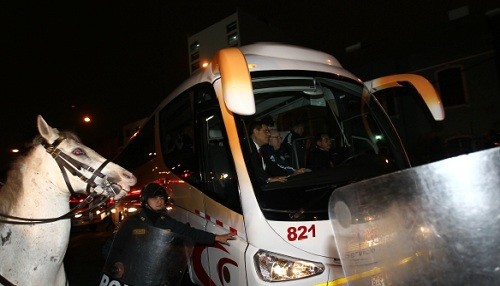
38	188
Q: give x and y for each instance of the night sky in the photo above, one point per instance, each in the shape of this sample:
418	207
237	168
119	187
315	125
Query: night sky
114	60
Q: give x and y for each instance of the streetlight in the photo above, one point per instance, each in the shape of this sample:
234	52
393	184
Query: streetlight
87	119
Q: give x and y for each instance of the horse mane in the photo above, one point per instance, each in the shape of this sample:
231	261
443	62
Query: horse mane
13	185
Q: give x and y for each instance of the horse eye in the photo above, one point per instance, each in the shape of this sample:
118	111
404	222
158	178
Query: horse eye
78	152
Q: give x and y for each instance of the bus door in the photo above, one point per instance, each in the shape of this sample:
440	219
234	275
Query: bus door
223	207
179	138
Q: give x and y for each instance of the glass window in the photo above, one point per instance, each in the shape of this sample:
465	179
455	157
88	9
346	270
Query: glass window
140	148
177	138
195	66
233	39
332	127
195	56
387	99
231	27
194	47
219	174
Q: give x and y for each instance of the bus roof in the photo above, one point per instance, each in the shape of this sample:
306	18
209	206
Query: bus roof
273	56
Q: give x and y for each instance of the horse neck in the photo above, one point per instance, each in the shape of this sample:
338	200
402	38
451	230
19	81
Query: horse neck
37	195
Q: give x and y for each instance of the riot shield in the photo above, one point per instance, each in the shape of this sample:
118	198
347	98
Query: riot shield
146	255
436	224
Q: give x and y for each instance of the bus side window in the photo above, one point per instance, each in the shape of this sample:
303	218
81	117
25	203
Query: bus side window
177	138
219	174
140	149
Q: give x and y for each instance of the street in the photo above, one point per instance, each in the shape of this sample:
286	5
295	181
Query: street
83	261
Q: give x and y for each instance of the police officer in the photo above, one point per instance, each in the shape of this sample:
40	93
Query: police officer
152	230
153	212
128	251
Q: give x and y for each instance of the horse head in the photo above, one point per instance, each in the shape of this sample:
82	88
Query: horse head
88	171
35	194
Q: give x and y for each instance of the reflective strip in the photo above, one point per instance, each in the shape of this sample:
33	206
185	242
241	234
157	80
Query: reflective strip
368	273
216	221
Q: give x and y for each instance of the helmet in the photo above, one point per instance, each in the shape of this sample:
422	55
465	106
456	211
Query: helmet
153	190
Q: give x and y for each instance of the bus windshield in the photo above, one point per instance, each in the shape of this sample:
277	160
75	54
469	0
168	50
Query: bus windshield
330	127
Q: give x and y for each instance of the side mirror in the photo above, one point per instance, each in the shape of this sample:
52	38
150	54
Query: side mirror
426	90
236	81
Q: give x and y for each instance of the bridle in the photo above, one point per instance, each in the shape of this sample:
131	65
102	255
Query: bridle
74	166
65	162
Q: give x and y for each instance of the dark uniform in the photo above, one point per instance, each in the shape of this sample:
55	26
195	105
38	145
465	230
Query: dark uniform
161	220
281	158
319	159
164	221
150	248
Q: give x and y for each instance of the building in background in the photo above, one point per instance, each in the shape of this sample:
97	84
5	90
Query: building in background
235	30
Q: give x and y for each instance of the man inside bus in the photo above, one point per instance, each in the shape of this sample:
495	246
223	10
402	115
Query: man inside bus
320	156
293	143
265	169
279	155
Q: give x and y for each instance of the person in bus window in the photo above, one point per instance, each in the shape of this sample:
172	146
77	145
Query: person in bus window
279	155
185	140
265	170
320	156
293	143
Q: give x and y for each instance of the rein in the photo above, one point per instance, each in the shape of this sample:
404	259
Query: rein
68	215
66	162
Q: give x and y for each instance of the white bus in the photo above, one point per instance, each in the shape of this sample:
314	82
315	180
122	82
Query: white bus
197	145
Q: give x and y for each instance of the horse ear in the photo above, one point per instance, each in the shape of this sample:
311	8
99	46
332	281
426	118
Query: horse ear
45	130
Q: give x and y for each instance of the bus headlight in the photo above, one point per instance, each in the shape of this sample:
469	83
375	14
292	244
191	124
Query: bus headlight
275	267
